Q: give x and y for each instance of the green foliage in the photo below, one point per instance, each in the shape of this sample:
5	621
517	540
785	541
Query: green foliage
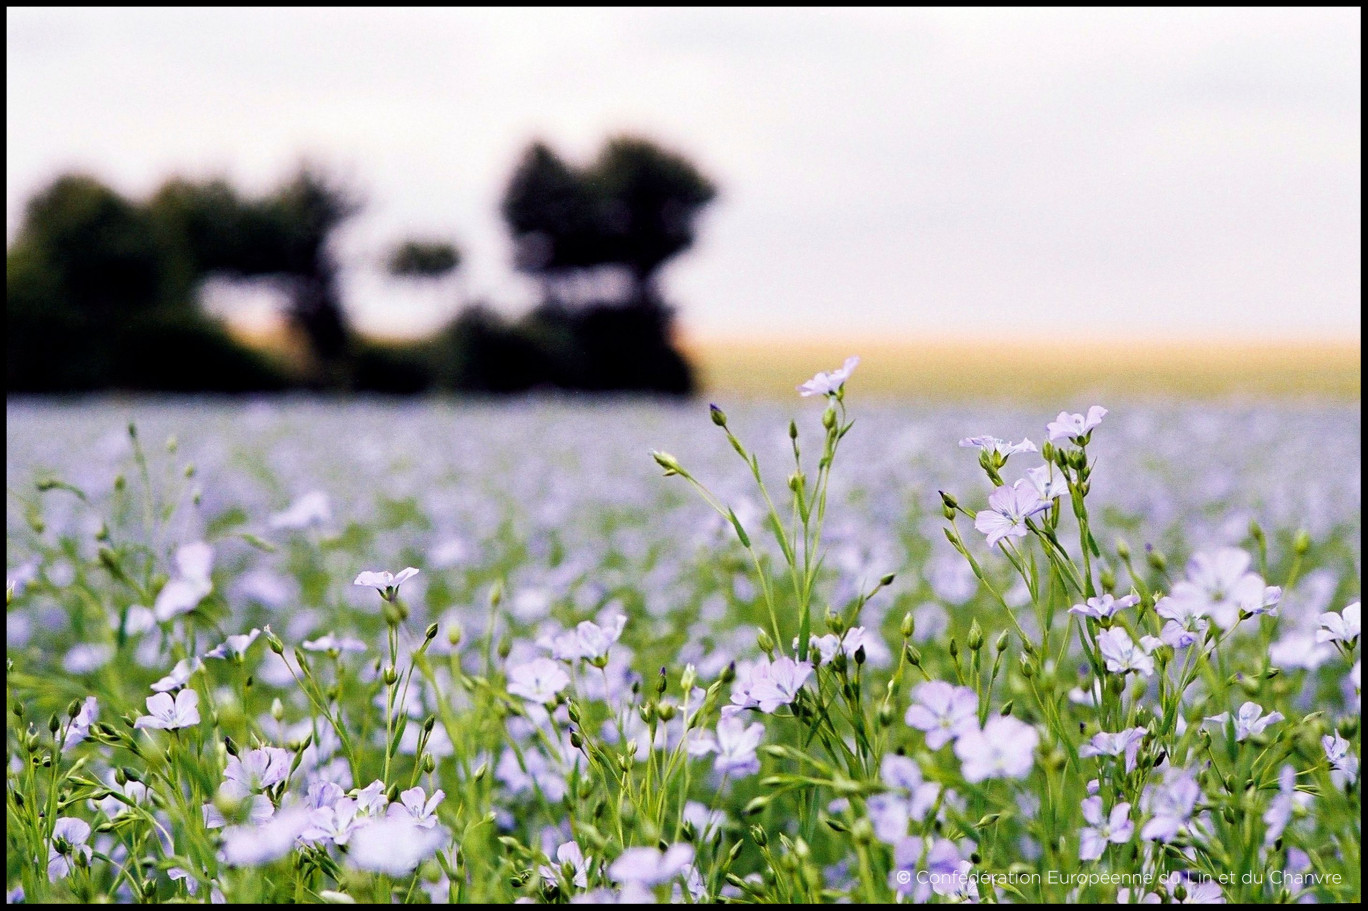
423	259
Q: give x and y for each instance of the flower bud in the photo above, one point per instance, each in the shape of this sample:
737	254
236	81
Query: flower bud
1301	543
975	639
765	642
1001	645
793	430
431	633
1122	549
909	625
667	462
718	416
829	418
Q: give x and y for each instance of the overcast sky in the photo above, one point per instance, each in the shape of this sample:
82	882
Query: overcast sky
1144	174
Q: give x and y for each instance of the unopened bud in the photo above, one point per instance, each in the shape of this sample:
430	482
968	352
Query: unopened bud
719	417
764	641
909	625
975	638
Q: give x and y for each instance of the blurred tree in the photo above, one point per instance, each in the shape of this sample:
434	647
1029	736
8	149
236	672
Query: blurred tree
554	216
632	210
423	259
650	199
296	226
97	298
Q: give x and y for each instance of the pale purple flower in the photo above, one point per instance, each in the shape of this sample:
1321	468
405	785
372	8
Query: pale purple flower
734	743
1123	654
1104	743
312	508
1282	806
533	772
259	810
79	728
168	714
706	823
1201	890
1249	720
386	583
179	676
371	800
918	862
188	585
87	657
1007	512
1169	804
958	885
1005	748
997	447
588	640
539	680
1048	481
255	844
943	711
331	642
1104	607
1344	765
1186	623
1342	627
829	383
1219	585
780	684
395	845
234	646
649	866
255	771
69	836
334	823
568	853
909	798
1116	828
416	805
1071	426
850	642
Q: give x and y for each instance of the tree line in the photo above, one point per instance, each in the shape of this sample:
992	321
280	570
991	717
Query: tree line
105	292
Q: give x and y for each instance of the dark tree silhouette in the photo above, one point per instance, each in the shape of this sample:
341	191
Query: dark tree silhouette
650	200
554	217
298	223
96	298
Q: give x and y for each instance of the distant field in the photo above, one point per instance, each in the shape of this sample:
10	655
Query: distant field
959	371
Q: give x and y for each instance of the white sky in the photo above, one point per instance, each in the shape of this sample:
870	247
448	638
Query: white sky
1144	174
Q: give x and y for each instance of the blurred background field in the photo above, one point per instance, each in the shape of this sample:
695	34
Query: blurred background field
1039	371
1036	204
